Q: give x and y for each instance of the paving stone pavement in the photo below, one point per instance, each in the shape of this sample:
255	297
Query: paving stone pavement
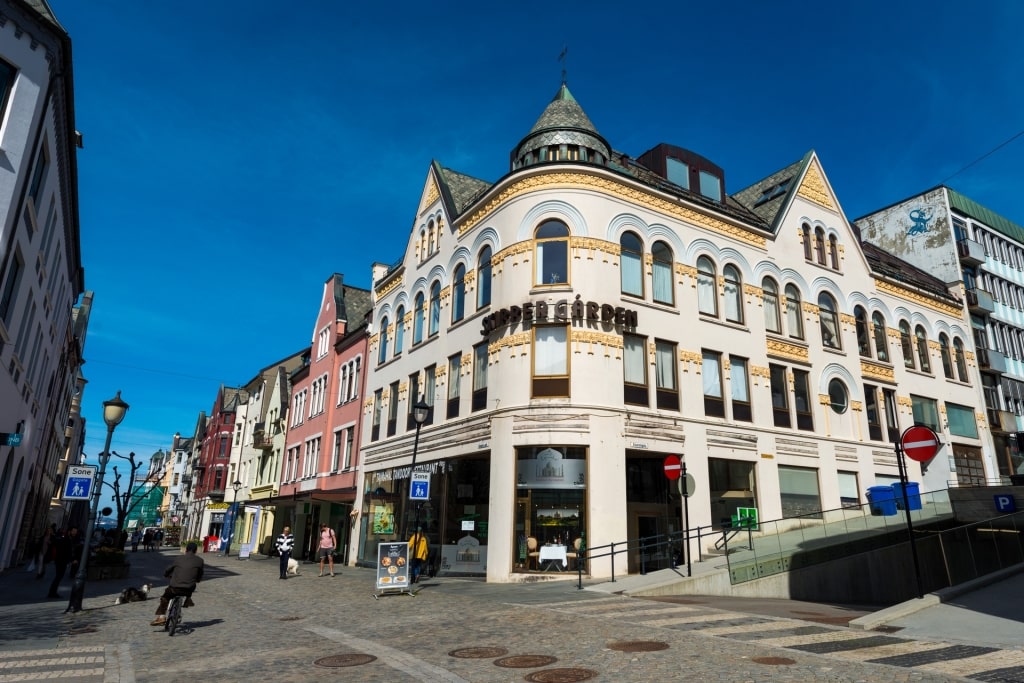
249	625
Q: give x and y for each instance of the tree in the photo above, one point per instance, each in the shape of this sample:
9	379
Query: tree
134	493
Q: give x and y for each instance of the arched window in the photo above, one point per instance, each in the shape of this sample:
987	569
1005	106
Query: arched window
399	330
794	318
961	361
430	238
459	294
733	294
906	344
418	318
863	341
829	317
922	349
819	245
947	358
881	345
382	347
707	300
772	318
552	239
483	278
664	289
631	269
805	233
435	309
833	251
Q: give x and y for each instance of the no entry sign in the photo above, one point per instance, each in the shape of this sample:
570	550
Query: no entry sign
673	467
919	443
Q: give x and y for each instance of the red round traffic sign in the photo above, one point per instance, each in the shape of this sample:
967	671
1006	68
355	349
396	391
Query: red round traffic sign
919	443
673	467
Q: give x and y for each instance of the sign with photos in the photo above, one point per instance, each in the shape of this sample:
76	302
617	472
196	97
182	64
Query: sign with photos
393	566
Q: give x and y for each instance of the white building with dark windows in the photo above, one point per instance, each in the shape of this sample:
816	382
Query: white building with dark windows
589	314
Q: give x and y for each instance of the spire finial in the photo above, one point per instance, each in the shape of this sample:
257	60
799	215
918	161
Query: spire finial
562	58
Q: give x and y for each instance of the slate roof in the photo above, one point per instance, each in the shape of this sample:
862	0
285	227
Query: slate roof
894	268
459	189
766	197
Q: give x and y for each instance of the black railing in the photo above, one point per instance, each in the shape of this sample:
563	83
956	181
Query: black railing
673	542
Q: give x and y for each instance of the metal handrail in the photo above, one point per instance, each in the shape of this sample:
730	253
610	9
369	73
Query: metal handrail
643	542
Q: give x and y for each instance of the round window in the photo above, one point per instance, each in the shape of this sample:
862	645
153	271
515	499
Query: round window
838	397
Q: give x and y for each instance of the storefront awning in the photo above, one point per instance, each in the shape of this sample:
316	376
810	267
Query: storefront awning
346	495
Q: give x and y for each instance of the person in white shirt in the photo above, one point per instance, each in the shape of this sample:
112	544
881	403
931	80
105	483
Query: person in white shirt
285	543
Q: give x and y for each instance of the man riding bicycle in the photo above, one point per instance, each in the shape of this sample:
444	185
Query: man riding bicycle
185	572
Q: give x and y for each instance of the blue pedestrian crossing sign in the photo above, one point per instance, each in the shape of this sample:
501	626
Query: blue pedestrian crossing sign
79	482
419	489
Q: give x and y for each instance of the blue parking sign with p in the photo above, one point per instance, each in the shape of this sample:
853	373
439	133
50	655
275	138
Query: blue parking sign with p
1005	503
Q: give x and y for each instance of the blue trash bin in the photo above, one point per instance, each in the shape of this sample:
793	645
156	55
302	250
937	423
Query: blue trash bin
913	495
882	500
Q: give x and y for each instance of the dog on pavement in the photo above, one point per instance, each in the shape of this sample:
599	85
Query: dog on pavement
132	594
293	567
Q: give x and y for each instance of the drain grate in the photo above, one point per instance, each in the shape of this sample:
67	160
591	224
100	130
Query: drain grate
478	652
525	661
774	661
336	661
289	618
560	675
638	645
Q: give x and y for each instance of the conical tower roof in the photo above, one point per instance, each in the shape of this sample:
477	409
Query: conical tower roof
563	122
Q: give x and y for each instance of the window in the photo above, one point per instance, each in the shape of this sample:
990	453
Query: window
892	421
483	278
7	75
711	371
922	349
11	286
802	400
393	409
838	397
740	386
707	300
863	343
678	172
552	253
631	268
418	319
454	385
710	186
881	345
805	237
798	490
733	294
873	414
780	395
961	361
926	412
634	370
336	450
378	399
833	252
479	377
414	398
947	359
829	319
664	290
382	346
35	187
794	318
550	360
429	390
459	294
906	345
665	375
770	293
961	420
849	491
349	439
399	330
435	309
819	245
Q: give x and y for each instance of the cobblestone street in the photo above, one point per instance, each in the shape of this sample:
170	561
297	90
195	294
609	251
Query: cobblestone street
248	625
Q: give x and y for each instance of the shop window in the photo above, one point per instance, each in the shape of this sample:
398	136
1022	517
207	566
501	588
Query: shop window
459	294
732	485
732	294
802	400
707	298
860	317
664	284
794	317
634	370
550	360
739	384
780	395
711	373
399	330
770	295
631	264
483	278
881	345
873	414
799	493
479	377
551	502
667	389
454	385
552	244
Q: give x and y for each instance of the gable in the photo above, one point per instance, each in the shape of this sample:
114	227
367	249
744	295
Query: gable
430	194
814	188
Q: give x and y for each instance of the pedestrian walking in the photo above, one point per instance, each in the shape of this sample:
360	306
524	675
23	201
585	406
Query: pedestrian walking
417	554
67	552
147	540
325	549
284	545
136	539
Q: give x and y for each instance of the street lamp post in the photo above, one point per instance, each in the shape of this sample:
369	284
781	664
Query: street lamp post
114	411
420	411
233	518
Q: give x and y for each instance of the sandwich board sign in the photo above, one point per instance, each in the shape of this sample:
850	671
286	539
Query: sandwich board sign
392	566
79	482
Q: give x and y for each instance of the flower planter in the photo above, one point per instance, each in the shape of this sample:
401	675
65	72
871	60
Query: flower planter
98	572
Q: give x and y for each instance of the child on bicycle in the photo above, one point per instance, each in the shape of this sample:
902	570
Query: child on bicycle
185	572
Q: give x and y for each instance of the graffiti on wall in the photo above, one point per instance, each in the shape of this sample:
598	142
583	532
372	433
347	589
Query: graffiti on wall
920	218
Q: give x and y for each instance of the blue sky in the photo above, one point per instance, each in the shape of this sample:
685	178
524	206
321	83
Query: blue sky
239	153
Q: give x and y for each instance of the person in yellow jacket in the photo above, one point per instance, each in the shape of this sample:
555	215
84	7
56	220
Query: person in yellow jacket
417	553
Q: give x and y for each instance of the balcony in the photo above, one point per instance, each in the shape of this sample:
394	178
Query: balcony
980	302
1001	420
262	441
991	361
971	253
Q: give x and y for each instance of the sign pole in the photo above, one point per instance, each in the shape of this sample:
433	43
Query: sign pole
901	465
686	520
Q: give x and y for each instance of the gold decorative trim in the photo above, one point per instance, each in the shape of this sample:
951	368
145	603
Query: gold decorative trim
386	289
430	193
877	371
588	338
690	357
824	399
616	188
856	406
753	292
813	188
934	345
592	244
776	347
760	372
918	298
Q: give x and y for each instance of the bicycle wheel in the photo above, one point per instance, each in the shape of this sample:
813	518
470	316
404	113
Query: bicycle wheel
173	616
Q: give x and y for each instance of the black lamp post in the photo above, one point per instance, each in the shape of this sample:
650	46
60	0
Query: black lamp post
114	411
233	512
420	411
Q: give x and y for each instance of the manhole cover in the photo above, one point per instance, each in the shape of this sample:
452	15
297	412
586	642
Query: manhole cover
478	652
335	661
289	618
774	661
638	645
560	675
525	661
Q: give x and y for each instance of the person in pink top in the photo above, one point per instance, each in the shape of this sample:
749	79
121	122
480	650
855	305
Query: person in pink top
328	542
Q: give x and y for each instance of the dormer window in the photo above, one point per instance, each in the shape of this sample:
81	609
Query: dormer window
678	172
710	186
